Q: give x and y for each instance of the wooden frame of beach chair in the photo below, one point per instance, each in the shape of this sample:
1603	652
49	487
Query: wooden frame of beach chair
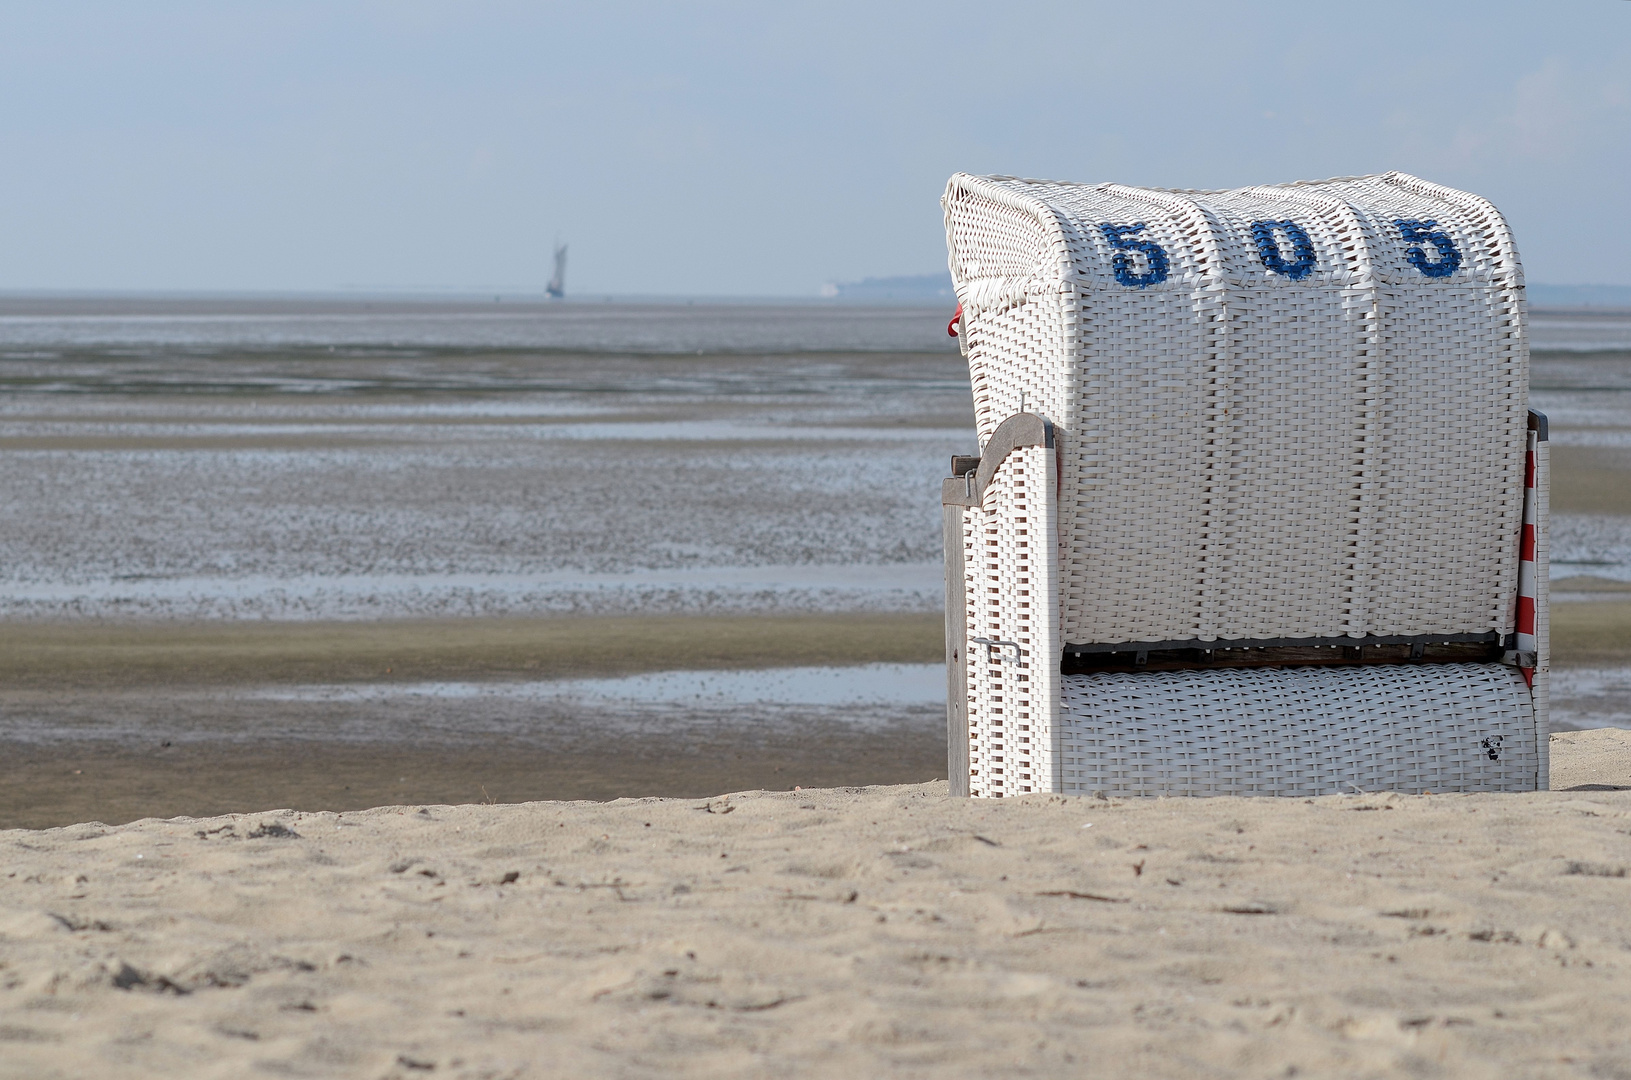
1260	506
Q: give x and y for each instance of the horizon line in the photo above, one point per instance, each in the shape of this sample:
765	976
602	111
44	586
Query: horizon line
538	296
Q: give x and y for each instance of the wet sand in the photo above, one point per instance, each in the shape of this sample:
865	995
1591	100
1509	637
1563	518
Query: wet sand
1592	633
114	722
41	787
159	720
859	931
1591	480
114	655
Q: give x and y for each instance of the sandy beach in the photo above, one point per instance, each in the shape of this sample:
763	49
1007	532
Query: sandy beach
855	931
545	543
387	591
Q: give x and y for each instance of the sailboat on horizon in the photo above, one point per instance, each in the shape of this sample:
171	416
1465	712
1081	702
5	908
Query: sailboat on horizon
556	289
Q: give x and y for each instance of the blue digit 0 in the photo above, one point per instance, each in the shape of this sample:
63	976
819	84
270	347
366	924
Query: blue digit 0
1268	247
1420	232
1155	259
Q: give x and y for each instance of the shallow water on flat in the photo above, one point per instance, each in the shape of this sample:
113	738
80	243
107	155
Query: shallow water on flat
861	685
543	712
180	483
1584	698
294	459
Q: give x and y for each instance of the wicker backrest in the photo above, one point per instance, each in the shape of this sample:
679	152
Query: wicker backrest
1294	411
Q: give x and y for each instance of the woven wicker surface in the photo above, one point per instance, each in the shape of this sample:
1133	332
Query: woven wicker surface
1299	731
1541	688
1317	434
1010	563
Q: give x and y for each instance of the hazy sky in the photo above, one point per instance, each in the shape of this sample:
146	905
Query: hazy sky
750	149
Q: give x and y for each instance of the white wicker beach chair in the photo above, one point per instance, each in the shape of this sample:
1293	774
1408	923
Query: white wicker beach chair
1260	506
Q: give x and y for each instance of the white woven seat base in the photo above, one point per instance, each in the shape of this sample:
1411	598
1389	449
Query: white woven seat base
1298	731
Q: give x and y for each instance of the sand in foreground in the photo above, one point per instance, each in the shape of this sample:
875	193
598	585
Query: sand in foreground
860	932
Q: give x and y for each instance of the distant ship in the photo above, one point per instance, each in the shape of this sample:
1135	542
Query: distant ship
556	289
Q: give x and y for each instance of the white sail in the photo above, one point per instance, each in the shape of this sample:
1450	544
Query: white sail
556	288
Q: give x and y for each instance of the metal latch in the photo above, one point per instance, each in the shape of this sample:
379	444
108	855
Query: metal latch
993	643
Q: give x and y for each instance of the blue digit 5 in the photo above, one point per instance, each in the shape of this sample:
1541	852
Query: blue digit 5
1268	246
1417	232
1118	237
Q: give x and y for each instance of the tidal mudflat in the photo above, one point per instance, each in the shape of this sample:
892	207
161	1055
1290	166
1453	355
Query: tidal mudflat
226	522
237	531
640	484
114	722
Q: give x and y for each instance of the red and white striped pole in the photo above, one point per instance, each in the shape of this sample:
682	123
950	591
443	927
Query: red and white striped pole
1528	581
